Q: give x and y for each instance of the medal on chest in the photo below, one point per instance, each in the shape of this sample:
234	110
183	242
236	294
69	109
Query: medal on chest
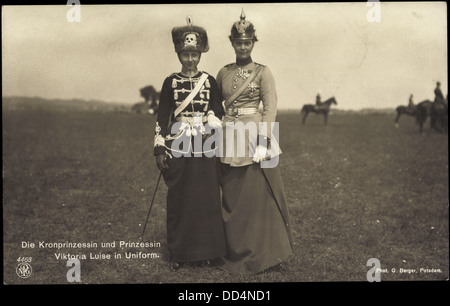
252	88
243	73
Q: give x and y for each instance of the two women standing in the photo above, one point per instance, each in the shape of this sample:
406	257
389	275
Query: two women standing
253	233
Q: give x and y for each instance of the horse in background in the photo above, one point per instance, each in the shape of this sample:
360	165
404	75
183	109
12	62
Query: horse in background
150	104
423	112
322	109
438	113
405	110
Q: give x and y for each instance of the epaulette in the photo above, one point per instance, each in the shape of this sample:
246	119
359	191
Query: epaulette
259	64
226	66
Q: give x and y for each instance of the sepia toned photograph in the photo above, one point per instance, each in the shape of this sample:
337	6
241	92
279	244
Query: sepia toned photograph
232	143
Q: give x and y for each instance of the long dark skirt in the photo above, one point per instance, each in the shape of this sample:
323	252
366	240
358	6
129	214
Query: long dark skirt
194	223
256	219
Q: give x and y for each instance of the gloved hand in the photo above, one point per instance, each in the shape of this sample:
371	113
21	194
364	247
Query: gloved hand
161	162
213	121
260	154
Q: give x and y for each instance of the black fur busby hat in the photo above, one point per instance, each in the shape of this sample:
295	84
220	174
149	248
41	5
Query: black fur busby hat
190	38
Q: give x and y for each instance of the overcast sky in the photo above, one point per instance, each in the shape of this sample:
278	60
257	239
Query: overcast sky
326	48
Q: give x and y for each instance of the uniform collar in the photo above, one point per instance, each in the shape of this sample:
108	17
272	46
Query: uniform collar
247	61
180	74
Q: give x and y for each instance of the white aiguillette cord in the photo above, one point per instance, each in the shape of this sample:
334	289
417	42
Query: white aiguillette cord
191	96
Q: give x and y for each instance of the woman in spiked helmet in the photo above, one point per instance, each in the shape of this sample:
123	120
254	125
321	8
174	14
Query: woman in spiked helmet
190	106
256	218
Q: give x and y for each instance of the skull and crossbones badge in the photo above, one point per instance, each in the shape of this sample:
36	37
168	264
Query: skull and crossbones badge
190	40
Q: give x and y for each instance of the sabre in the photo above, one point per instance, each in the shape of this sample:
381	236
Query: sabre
151	204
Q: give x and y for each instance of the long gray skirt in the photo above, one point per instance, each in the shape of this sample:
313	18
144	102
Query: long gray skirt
256	219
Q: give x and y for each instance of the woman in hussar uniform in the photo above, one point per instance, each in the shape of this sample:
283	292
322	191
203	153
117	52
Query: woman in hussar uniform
190	105
254	206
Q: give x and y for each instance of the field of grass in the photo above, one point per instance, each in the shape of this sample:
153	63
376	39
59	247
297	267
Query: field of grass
357	188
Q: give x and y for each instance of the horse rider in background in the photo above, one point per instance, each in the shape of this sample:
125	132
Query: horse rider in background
438	96
411	103
318	102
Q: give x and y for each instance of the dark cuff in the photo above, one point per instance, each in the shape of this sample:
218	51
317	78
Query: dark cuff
263	140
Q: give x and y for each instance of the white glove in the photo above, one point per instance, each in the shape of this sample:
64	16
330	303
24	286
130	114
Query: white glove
260	154
213	121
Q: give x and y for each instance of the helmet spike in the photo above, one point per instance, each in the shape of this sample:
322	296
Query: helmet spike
242	15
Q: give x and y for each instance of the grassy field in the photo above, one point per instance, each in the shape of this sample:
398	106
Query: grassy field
357	189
